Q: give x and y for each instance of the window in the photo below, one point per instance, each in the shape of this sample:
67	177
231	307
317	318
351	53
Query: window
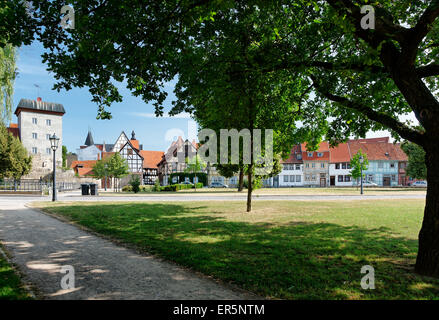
307	165
380	165
348	165
48	122
313	165
34	150
307	177
47	136
347	178
392	165
313	177
310	154
297	166
393	177
340	178
322	165
34	135
337	166
299	156
343	165
48	150
285	178
319	154
370	177
34	120
292	178
298	178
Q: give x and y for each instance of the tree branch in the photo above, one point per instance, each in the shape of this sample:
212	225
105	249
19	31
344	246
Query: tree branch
429	70
380	117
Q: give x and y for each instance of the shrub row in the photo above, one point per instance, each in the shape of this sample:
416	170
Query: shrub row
129	188
177	187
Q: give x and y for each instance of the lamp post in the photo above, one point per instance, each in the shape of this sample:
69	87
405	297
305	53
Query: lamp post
54	140
361	168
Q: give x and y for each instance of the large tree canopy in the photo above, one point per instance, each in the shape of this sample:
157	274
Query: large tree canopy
347	80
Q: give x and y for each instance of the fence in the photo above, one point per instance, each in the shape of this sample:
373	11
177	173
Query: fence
34	186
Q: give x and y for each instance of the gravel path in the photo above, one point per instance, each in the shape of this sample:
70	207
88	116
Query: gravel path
41	245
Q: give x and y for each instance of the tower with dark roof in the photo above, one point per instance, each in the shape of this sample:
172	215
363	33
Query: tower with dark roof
89	140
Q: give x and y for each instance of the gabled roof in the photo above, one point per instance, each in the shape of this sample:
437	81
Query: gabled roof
295	151
135	144
340	153
83	163
151	158
323	148
378	150
39	106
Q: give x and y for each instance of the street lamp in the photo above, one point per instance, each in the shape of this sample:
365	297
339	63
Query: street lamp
54	140
361	168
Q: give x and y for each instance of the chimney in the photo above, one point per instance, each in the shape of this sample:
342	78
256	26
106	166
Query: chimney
39	99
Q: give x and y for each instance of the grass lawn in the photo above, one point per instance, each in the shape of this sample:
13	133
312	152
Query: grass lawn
287	249
10	284
277	191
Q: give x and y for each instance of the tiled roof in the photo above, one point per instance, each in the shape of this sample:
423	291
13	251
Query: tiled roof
135	144
40	106
323	148
340	153
83	163
151	158
85	171
378	150
293	155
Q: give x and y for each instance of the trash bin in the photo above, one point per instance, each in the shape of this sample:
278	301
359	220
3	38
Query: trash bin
85	189
93	189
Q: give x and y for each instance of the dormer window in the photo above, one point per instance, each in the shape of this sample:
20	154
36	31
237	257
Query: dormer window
299	156
319	154
310	154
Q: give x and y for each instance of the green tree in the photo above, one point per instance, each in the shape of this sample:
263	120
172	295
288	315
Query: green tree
357	167
7	78
362	79
100	170
64	157
117	168
195	165
14	159
135	183
416	167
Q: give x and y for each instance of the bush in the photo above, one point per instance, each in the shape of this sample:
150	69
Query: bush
135	183
156	186
127	188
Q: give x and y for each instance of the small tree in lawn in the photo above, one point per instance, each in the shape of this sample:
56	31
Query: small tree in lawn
194	165
416	167
135	183
100	170
357	166
118	167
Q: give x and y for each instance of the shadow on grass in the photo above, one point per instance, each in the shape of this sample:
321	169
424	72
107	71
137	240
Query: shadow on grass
299	260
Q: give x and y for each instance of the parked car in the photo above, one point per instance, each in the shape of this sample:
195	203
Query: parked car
422	184
369	184
218	185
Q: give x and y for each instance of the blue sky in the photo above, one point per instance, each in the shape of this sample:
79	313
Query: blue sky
132	114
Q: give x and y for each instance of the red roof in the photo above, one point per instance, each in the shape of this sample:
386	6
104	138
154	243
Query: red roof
83	163
378	150
13	129
151	158
323	148
340	153
293	155
84	171
135	144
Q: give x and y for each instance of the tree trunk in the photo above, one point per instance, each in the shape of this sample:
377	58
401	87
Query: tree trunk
427	261
250	188
241	179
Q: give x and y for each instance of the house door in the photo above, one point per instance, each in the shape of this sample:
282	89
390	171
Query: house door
276	182
323	182
386	181
332	181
